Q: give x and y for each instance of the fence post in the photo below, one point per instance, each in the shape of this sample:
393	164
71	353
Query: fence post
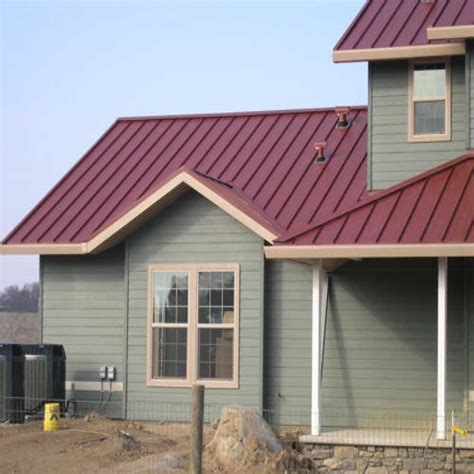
197	417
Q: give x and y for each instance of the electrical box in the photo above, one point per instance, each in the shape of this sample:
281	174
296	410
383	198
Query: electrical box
110	373
103	373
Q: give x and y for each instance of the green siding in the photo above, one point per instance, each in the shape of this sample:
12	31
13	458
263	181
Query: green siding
392	158
193	230
469	302
380	347
83	308
470	91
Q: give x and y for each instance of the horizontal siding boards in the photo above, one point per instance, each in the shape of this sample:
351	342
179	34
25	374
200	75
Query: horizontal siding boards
193	230
470	74
83	309
380	348
393	158
287	389
469	301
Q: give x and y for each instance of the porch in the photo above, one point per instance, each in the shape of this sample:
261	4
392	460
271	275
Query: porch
384	358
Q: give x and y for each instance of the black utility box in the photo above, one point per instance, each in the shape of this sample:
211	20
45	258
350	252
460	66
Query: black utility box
11	383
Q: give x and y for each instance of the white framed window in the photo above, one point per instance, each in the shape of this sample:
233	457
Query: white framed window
193	325
429	101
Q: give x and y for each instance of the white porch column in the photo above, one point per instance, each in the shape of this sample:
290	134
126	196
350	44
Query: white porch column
442	345
316	350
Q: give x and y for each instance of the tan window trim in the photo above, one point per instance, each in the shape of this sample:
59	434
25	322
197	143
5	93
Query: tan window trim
193	326
412	138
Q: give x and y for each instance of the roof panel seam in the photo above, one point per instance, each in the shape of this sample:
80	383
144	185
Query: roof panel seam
226	147
283	154
456	207
85	187
298	158
435	207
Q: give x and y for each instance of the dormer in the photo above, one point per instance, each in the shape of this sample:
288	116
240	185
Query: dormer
421	83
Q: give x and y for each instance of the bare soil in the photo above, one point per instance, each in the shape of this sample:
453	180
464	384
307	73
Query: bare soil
96	445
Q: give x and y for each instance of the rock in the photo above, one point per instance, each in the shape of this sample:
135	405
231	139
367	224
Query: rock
466	453
361	465
321	453
435	464
170	462
427	471
242	438
345	452
377	470
403	452
371	449
391	452
348	465
413	464
333	463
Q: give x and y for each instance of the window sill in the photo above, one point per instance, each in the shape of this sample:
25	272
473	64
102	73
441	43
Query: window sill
429	138
174	383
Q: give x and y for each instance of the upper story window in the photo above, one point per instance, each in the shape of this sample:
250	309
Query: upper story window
429	101
193	325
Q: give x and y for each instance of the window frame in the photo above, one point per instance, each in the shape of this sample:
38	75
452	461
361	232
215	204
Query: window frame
193	326
429	137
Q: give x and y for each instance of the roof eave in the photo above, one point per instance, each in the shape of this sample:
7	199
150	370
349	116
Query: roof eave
283	252
462	32
402	52
126	224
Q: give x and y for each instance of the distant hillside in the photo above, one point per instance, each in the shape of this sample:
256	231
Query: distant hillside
19	327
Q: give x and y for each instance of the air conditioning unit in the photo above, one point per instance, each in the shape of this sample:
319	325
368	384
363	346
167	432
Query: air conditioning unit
44	377
11	383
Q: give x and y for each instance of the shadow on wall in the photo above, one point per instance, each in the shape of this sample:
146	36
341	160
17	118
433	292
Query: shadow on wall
380	352
19	327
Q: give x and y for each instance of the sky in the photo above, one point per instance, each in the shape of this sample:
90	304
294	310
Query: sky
69	68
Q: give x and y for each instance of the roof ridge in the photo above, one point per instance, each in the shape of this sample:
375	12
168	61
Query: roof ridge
382	194
237	114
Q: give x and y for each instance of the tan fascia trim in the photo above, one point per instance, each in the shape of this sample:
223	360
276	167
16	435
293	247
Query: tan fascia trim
402	52
43	249
183	178
450	32
368	251
120	228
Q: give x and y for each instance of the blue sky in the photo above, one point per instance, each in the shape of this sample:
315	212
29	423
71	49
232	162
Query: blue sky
69	68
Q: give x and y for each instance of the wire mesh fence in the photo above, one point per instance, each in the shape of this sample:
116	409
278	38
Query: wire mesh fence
146	426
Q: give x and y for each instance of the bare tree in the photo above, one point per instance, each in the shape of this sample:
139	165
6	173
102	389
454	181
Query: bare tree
20	300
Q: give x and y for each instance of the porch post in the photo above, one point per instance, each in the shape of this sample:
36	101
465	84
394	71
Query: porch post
316	350
442	345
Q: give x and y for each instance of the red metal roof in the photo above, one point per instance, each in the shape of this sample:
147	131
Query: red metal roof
265	161
395	23
433	207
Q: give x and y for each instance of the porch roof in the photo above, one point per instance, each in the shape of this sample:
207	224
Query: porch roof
435	207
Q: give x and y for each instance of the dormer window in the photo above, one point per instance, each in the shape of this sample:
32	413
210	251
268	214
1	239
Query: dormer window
429	105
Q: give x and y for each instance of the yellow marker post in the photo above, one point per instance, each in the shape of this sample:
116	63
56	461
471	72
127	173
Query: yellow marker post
51	416
459	431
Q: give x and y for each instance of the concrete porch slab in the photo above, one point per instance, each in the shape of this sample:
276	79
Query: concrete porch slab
388	437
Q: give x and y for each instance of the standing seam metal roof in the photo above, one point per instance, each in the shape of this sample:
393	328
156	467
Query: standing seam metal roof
266	158
433	207
395	23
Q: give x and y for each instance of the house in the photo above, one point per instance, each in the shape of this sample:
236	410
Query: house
317	264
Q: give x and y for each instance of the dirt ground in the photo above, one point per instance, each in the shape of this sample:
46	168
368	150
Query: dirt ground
96	445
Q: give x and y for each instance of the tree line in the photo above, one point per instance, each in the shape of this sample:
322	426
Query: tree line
16	299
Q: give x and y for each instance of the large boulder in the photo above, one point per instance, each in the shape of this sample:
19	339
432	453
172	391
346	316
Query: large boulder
243	439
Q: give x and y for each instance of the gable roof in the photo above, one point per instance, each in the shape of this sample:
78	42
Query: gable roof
261	163
403	28
436	206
